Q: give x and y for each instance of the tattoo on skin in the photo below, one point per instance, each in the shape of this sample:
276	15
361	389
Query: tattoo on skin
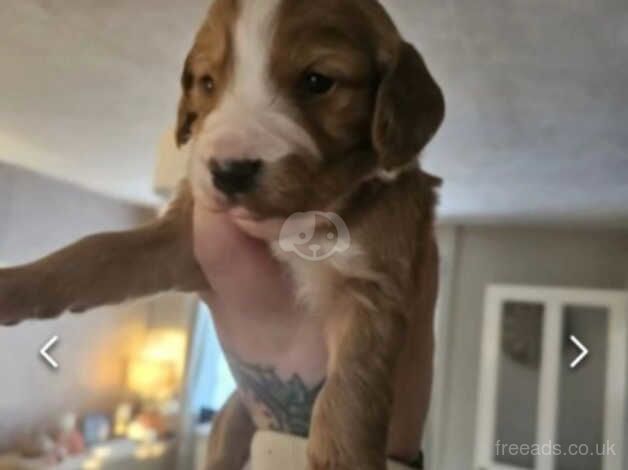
283	406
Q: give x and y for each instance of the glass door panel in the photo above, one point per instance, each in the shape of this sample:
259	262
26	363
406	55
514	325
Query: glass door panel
518	382
580	430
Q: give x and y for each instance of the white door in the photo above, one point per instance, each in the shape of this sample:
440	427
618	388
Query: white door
539	407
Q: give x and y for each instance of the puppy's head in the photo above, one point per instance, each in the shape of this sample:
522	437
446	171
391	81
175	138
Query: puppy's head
287	104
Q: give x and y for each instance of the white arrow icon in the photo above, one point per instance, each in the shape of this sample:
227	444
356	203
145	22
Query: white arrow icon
44	352
584	352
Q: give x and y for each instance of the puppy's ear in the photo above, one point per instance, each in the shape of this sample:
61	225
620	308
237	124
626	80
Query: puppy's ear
186	114
409	110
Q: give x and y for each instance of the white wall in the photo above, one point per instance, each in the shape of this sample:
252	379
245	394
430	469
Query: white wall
487	255
38	215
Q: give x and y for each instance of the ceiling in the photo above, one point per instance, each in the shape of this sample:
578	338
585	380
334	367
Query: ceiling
537	126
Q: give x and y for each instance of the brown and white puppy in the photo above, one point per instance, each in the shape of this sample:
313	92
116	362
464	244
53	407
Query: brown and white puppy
293	107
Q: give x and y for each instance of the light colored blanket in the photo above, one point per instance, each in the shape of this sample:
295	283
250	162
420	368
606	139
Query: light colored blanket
272	451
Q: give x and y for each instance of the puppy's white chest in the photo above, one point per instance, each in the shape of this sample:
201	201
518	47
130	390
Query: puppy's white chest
319	281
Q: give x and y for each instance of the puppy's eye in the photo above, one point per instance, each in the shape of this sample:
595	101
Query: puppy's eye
207	83
317	83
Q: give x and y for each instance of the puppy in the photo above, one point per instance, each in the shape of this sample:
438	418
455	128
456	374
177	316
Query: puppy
309	115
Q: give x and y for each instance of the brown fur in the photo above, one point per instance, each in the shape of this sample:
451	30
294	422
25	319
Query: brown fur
385	109
212	57
232	433
106	269
372	317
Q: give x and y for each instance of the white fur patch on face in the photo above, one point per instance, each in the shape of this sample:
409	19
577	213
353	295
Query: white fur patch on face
253	120
253	37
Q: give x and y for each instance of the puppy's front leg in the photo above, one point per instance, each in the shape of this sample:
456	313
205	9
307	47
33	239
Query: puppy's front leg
106	269
231	436
351	416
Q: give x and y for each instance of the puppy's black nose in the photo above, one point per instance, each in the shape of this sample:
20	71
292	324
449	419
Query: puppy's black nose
234	177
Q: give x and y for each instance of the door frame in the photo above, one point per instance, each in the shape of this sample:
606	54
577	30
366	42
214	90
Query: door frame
554	301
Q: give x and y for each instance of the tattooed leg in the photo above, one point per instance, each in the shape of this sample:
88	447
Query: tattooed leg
276	404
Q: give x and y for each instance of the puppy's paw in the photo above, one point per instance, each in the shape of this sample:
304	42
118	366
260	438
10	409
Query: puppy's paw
24	295
322	465
332	446
312	465
325	455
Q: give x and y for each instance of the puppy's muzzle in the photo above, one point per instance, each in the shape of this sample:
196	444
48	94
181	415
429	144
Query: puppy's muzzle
233	177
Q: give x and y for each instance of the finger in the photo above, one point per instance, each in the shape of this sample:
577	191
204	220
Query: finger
242	213
267	230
